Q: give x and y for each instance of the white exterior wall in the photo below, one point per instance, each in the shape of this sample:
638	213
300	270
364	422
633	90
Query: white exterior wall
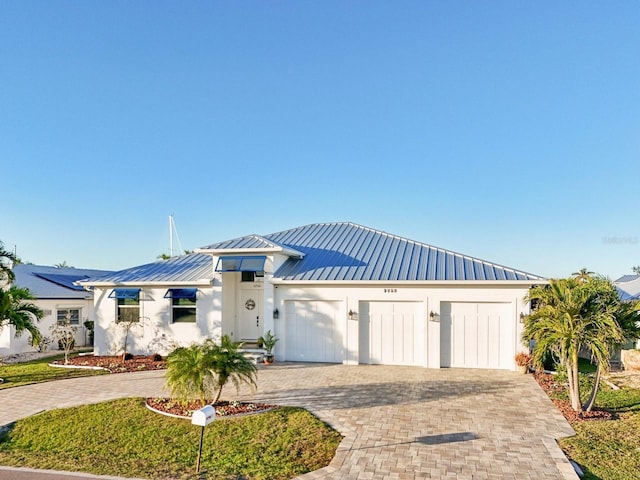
430	297
155	333
9	344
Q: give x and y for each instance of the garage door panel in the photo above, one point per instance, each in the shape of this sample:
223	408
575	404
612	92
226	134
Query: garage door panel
391	333
313	332
476	335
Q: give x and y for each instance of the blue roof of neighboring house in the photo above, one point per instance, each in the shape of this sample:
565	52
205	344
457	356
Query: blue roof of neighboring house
351	252
627	278
185	268
625	296
52	282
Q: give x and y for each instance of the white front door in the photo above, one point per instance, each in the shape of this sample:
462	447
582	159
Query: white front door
250	316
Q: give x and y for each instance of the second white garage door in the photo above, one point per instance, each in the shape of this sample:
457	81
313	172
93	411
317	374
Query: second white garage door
476	335
392	333
313	331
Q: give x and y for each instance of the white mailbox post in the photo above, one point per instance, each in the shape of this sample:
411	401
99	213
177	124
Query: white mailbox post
202	418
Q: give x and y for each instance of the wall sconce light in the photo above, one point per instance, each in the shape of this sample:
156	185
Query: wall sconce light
522	317
433	316
352	315
276	314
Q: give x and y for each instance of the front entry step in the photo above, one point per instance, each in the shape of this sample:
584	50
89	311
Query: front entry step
256	355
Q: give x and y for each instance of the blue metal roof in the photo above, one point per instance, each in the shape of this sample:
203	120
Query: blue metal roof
346	251
53	282
625	296
185	268
627	278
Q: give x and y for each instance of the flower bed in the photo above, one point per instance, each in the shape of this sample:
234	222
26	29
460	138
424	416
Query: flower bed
115	364
551	386
175	408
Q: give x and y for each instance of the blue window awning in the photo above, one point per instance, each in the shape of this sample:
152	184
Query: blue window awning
181	293
244	263
125	293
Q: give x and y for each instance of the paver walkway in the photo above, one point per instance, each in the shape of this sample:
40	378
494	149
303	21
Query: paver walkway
398	422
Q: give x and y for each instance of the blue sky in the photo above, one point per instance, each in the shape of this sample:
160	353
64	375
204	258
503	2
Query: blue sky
508	131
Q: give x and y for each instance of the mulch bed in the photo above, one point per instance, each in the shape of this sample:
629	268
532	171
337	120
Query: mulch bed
115	364
550	385
223	409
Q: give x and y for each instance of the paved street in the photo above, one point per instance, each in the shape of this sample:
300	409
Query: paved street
398	422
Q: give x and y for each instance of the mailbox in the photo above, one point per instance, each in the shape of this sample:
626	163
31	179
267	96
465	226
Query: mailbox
204	416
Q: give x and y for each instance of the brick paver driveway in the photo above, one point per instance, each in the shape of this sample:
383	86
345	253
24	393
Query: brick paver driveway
398	422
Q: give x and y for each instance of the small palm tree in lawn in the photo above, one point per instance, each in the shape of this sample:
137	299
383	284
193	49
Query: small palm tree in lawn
17	309
202	371
189	376
230	363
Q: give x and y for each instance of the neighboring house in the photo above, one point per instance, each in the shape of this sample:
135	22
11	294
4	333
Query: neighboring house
628	287
335	292
58	296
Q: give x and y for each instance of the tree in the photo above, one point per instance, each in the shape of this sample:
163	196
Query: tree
189	375
202	371
230	363
572	315
606	299
17	309
63	264
64	333
636	269
7	260
583	275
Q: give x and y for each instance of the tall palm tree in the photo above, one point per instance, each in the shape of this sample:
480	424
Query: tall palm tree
7	260
626	315
569	318
17	309
583	275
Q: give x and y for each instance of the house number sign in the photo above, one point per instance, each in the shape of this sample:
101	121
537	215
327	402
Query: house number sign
250	304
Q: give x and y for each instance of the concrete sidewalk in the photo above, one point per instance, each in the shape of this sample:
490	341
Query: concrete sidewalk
398	422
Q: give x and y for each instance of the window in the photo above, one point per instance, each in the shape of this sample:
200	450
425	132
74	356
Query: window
73	314
128	299
128	310
248	276
183	304
241	264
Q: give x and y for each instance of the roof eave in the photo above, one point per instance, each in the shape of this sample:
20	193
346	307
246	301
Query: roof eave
248	251
160	283
281	281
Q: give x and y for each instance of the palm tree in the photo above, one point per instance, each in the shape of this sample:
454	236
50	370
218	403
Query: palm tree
583	275
188	375
17	309
7	260
201	371
607	301
230	363
568	318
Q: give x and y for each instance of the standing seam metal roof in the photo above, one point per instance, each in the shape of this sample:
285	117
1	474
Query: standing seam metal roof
347	251
185	268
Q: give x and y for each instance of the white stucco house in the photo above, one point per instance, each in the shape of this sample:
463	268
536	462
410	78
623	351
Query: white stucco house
57	296
331	292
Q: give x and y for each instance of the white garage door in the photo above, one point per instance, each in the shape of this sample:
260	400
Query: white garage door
476	335
313	331
392	333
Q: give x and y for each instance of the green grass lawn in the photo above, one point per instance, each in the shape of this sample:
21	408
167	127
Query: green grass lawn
36	371
123	438
608	449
